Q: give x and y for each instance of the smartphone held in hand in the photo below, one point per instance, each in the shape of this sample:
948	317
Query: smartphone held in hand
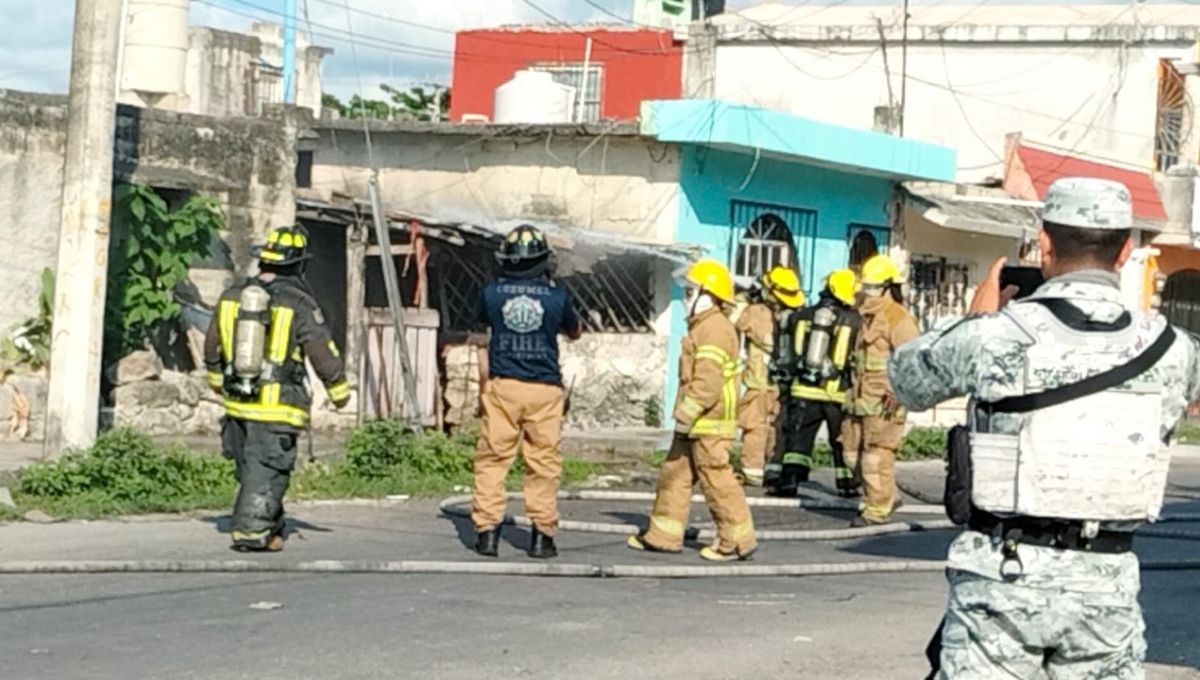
1026	279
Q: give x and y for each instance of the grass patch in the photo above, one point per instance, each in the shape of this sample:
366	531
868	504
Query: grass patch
125	472
1188	432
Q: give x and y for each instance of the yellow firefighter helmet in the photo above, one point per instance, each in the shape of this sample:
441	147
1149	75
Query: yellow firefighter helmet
880	270
784	284
713	278
841	284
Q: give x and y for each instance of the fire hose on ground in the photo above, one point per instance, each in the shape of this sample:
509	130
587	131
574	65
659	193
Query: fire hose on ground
453	507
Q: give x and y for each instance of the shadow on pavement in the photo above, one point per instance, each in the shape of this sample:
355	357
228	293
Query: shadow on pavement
223	524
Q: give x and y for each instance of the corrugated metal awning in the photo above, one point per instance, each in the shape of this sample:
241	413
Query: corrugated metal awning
986	214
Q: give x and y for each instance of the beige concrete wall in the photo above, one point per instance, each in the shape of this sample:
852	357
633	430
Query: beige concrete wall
619	185
978	251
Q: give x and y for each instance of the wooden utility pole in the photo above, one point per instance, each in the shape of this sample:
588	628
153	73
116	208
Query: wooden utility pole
72	411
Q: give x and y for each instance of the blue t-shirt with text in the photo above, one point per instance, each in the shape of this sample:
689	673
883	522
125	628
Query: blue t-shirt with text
526	316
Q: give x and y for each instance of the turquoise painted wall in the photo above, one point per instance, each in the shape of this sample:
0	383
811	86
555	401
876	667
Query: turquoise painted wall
711	179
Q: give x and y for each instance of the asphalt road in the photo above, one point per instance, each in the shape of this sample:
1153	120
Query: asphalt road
467	627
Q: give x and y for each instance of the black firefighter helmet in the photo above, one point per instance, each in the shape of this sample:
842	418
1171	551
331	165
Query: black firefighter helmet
524	252
285	246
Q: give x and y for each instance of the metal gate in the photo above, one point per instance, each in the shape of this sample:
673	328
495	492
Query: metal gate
382	389
1181	299
774	235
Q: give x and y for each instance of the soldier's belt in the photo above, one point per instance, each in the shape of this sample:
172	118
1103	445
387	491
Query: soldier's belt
1049	533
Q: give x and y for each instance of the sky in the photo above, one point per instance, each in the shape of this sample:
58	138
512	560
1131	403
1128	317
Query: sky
401	42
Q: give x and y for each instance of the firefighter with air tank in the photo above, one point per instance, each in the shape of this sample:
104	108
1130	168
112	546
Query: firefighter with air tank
755	317
255	351
812	361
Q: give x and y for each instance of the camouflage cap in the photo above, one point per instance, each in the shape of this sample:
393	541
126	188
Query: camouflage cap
1088	203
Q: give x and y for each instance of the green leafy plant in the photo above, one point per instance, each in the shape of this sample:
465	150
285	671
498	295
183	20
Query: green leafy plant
152	256
652	412
923	443
125	471
30	342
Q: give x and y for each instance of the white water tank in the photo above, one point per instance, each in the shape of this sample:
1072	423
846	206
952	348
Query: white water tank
533	97
156	46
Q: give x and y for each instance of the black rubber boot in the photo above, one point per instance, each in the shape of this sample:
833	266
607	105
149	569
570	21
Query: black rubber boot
849	491
487	543
784	489
541	546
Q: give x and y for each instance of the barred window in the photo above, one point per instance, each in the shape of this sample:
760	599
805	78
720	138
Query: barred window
615	296
572	76
937	288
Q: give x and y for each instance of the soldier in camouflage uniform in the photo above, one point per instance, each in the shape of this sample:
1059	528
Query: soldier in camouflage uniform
1057	595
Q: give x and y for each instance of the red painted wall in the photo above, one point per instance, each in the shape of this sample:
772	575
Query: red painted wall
638	65
1046	166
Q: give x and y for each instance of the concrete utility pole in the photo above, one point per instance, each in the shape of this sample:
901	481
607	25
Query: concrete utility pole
74	400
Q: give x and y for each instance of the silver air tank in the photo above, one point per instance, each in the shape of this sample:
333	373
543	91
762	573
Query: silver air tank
820	336
250	335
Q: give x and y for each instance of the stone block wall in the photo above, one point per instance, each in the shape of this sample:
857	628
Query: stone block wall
614	375
162	402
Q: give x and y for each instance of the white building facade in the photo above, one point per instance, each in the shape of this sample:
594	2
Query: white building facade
1108	80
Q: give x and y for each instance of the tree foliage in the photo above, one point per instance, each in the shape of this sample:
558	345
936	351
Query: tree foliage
424	103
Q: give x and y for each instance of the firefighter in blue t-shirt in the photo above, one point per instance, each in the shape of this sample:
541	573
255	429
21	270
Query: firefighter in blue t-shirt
522	395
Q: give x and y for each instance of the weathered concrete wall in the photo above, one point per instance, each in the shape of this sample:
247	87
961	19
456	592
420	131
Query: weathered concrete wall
32	144
248	163
220	64
614	376
611	183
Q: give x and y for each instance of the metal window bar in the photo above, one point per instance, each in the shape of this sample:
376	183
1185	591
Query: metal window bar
263	86
937	288
617	296
764	235
1181	299
572	75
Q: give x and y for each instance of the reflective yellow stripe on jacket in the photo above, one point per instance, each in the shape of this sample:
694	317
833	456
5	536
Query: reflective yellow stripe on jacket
726	425
754	374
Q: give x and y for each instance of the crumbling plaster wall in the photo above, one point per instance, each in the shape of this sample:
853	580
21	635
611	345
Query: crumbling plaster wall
610	183
248	163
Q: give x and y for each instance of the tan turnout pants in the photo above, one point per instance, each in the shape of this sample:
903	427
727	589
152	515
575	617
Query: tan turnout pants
869	444
757	411
705	460
525	415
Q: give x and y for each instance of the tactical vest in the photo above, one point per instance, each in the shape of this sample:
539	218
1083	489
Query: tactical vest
1097	458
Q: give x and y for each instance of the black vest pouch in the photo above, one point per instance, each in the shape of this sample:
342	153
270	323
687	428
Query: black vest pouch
957	495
